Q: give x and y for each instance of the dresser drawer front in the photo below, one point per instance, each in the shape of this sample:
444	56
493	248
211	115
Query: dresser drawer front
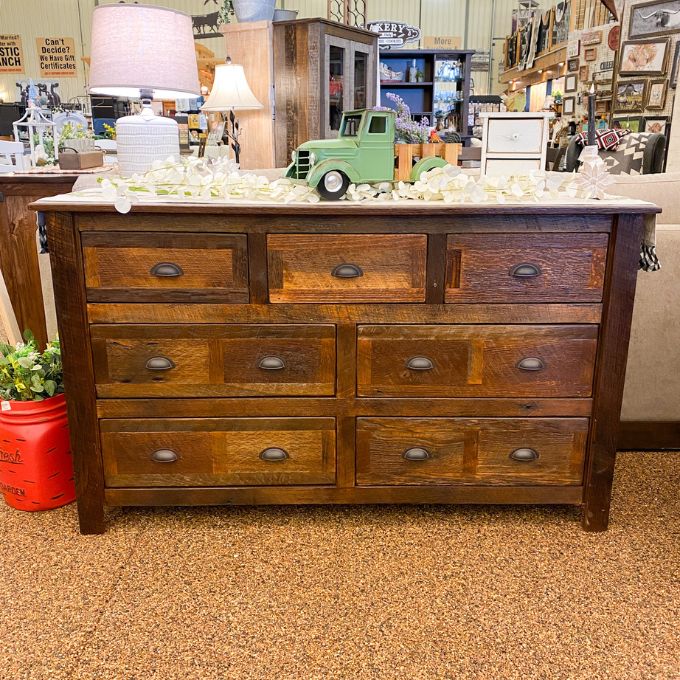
157	267
525	267
476	361
347	267
218	452
396	451
205	361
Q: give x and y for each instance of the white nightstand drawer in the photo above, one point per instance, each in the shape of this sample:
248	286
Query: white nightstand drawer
515	135
511	166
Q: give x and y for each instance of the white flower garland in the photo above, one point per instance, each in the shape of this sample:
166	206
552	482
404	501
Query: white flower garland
197	179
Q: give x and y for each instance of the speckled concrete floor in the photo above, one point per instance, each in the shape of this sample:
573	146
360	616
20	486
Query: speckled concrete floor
314	592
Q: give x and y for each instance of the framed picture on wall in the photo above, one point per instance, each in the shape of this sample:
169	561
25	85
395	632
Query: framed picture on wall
676	66
568	106
572	64
591	38
644	57
583	73
633	124
573	48
656	94
659	17
570	82
656	125
590	54
630	96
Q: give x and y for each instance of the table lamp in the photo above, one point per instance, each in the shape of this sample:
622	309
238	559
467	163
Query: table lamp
142	51
231	92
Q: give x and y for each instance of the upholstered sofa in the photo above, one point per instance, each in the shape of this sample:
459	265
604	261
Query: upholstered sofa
651	401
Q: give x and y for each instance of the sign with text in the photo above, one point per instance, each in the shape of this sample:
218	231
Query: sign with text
11	54
394	34
442	42
57	57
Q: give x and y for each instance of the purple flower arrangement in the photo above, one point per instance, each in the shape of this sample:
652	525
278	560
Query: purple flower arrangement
408	131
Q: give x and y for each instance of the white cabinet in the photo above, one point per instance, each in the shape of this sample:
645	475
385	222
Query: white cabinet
514	143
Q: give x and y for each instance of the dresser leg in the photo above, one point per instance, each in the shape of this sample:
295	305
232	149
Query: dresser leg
91	518
596	510
610	372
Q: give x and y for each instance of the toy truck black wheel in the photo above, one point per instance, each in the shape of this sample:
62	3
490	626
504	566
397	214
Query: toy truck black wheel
333	185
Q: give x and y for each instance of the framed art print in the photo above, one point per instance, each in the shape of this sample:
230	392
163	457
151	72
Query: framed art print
656	94
591	38
590	54
633	124
659	17
572	64
657	126
630	96
573	48
568	106
644	57
583	73
676	66
570	82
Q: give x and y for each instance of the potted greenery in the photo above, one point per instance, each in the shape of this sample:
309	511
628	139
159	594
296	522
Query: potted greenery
36	470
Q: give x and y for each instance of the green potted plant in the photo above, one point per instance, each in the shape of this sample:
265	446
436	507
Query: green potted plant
36	470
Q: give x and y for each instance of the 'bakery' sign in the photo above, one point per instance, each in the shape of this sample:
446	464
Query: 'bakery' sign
393	33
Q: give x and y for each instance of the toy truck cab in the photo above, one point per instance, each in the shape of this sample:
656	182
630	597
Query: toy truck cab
362	152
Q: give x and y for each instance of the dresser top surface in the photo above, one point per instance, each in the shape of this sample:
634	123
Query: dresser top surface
575	206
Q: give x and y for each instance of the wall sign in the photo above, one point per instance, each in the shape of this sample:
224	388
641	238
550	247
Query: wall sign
442	42
393	34
11	54
607	66
57	57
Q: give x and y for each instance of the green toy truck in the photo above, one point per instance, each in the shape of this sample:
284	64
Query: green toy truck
364	152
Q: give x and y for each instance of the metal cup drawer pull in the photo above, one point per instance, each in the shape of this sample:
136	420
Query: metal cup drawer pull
526	270
524	455
271	363
420	364
530	364
164	456
416	453
160	364
273	454
166	269
347	271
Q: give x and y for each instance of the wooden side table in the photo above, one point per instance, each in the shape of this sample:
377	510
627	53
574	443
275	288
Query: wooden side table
18	253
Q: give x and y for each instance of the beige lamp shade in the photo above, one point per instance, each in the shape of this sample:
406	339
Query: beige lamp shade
137	47
230	90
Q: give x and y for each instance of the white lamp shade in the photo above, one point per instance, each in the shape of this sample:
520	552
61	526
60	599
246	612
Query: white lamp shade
230	90
138	47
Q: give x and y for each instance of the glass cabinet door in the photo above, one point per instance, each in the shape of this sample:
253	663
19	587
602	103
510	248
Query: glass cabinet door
336	86
360	80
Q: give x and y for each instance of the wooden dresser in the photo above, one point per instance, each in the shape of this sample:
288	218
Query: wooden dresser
344	353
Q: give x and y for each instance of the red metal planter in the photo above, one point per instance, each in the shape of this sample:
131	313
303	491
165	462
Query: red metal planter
36	468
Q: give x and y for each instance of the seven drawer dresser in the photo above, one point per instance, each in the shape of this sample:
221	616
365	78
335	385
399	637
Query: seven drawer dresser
344	353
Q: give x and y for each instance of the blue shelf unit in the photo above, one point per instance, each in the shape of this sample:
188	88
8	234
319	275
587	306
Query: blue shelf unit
444	92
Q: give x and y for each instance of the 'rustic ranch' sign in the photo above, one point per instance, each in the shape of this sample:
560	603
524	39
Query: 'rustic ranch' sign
11	54
393	34
57	57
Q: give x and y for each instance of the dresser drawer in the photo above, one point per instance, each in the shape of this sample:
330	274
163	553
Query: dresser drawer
218	451
476	361
214	361
525	267
470	451
156	267
347	267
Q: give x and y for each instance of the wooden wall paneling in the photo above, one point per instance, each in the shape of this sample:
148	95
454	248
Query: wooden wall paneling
251	45
610	372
